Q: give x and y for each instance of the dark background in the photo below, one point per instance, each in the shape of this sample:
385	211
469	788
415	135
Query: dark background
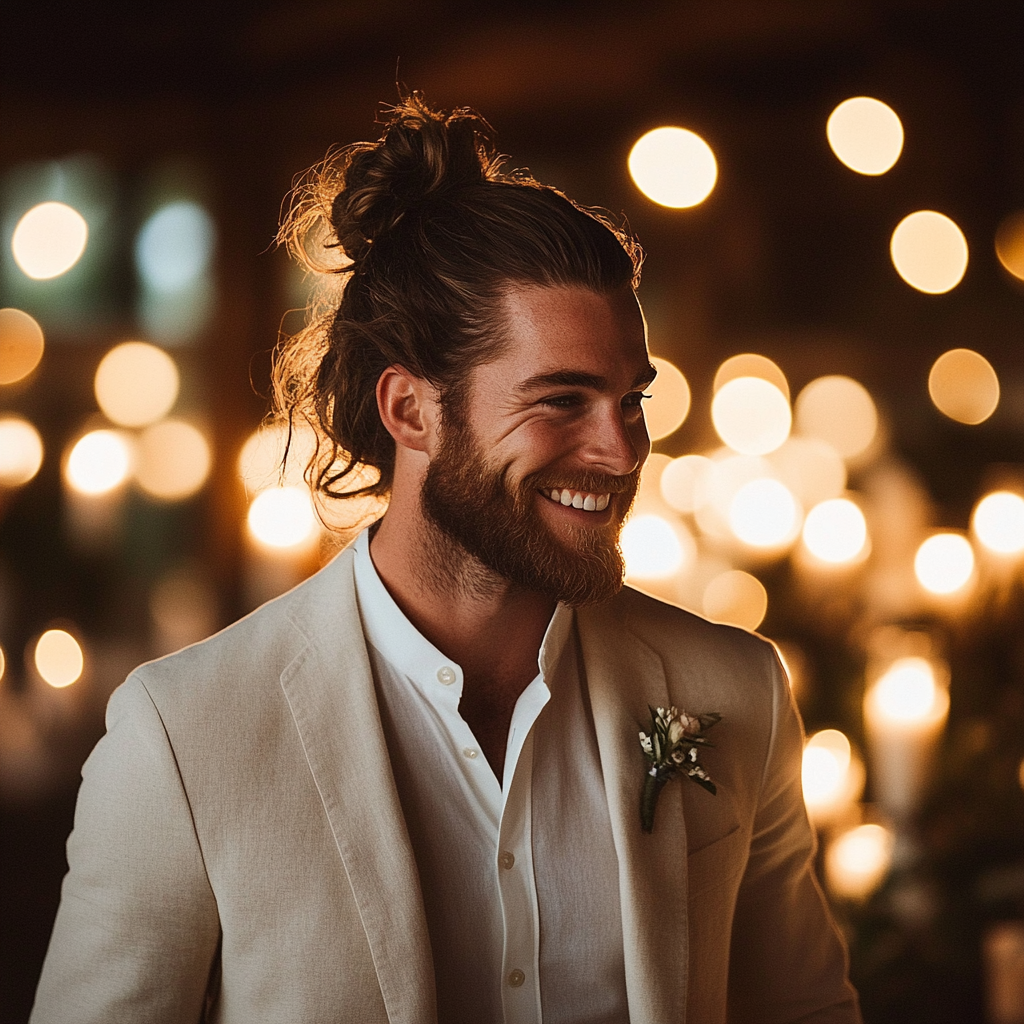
788	257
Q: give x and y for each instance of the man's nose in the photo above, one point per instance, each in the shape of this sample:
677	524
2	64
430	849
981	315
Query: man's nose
614	446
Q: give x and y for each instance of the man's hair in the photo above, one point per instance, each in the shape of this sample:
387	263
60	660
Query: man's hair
424	234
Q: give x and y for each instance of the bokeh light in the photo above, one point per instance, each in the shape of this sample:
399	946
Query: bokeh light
283	517
653	549
673	167
59	658
998	522
1010	244
764	514
929	251
858	860
964	386
684	482
839	411
3	664
98	462
49	240
21	451
737	598
944	563
727	474
751	415
811	468
750	364
21	345
173	460
866	135
669	403
835	531
832	775
174	246
261	457
136	384
907	692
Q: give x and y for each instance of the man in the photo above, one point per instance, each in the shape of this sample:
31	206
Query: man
409	790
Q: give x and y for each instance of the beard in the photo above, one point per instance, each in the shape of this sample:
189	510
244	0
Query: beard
475	509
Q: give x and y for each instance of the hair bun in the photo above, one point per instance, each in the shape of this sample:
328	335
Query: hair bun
421	156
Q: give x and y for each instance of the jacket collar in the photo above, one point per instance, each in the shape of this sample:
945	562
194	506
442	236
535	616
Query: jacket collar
625	677
329	689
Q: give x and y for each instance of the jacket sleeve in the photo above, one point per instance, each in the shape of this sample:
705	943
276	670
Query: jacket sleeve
137	929
788	961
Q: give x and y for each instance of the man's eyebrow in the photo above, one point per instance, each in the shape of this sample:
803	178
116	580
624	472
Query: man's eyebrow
580	379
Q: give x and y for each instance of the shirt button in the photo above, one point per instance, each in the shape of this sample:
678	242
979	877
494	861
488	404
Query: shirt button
446	675
469	752
516	978
507	859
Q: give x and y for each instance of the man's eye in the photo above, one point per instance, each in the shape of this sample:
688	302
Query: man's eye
562	401
634	398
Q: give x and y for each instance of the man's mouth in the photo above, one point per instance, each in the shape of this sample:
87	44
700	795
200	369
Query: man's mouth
588	501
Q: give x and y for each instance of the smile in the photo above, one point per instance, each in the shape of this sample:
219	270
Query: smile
578	499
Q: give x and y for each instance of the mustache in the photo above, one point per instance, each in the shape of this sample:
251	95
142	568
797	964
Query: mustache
593	483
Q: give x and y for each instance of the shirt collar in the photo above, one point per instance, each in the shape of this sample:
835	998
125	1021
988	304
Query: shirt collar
409	652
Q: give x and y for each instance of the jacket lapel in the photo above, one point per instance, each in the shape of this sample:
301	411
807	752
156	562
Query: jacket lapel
625	676
330	691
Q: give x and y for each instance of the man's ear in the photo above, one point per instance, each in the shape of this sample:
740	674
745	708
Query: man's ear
408	407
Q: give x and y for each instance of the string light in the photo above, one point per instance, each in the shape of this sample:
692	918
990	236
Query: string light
684	482
964	386
944	563
21	451
835	531
99	462
998	522
21	345
669	404
59	658
136	384
282	518
174	460
653	549
750	364
764	514
839	411
858	860
751	415
737	598
1010	244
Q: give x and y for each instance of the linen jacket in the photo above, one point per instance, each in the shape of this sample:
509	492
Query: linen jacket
239	853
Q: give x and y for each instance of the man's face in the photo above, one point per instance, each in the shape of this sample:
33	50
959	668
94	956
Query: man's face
537	467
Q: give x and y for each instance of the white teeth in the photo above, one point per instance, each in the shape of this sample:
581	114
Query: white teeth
579	499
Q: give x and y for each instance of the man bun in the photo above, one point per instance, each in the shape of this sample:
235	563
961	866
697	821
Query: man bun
423	155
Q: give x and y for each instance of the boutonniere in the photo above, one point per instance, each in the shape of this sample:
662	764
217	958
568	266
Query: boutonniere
672	748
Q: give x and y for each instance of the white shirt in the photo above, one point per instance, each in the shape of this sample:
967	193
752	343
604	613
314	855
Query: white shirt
519	881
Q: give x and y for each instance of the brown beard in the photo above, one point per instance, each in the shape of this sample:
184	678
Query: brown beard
475	510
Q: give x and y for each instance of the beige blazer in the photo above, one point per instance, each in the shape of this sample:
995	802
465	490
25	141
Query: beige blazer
239	853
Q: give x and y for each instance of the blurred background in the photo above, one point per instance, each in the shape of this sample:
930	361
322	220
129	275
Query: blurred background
831	197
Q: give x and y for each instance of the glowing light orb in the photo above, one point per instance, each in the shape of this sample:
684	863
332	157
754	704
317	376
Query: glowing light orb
673	167
173	460
1010	244
737	598
944	563
865	134
21	451
21	345
669	403
858	860
929	252
261	458
998	522
652	549
835	531
811	468
764	514
3	663
99	462
750	364
830	774
59	658
283	517
49	240
174	246
683	482
964	386
751	415
907	692
839	411
136	384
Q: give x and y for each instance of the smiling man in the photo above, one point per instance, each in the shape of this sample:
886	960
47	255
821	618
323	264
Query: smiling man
414	788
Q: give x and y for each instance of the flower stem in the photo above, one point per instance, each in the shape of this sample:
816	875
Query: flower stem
648	801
